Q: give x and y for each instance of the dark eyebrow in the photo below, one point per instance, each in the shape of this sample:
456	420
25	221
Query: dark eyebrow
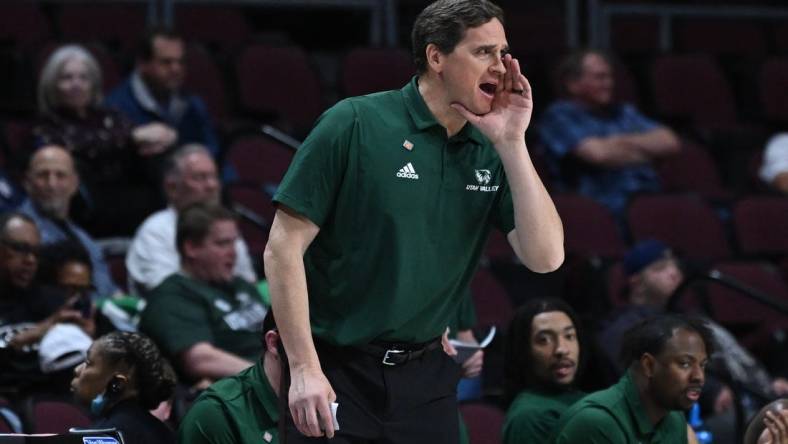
569	328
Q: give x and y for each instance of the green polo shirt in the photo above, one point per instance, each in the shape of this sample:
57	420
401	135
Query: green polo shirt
403	210
615	415
183	311
241	409
533	415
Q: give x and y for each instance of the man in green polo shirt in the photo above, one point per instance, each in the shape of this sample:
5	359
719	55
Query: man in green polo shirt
381	220
240	409
667	356
203	317
543	354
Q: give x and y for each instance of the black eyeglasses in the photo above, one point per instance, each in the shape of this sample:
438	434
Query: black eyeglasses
21	247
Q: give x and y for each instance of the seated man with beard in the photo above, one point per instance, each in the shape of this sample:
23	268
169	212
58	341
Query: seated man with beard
543	353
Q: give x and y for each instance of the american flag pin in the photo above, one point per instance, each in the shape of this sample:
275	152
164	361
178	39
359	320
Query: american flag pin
408	145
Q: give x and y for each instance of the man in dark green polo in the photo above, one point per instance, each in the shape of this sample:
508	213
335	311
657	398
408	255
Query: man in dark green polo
667	356
543	355
381	220
240	409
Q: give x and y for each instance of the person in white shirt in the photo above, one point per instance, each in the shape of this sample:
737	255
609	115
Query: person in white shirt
191	177
774	169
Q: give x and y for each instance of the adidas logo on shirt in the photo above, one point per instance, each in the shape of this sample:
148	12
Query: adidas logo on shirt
407	172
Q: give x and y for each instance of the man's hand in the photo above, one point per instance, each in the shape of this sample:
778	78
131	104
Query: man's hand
776	431
511	109
311	396
153	138
472	367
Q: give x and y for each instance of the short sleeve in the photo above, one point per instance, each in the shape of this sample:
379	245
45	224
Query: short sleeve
523	429
206	423
635	120
561	130
775	158
590	426
312	182
174	320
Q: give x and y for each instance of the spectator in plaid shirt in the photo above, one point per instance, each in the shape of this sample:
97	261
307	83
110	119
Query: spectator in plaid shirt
600	148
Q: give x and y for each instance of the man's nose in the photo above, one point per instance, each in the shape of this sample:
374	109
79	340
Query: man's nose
498	67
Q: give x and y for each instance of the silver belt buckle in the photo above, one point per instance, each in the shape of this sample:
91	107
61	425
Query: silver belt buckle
386	356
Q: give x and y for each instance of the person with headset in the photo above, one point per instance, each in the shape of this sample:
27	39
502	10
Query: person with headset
123	377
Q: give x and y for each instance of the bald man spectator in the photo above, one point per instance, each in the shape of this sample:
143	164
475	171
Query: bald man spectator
191	177
51	182
601	148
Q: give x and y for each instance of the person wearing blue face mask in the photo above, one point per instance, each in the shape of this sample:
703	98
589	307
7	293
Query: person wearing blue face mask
122	379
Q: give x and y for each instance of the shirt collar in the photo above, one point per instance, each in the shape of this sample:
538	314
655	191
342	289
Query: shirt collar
172	110
423	118
264	392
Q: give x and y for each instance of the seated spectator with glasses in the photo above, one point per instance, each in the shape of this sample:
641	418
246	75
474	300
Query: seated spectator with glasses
28	311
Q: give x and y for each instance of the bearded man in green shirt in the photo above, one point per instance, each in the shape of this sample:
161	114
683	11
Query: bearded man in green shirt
667	357
543	355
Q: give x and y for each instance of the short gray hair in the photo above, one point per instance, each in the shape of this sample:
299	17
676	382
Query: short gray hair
47	83
172	168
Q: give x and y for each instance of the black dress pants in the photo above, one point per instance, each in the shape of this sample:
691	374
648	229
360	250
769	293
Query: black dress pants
410	403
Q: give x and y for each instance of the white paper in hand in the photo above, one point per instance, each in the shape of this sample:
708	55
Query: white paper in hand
334	407
466	349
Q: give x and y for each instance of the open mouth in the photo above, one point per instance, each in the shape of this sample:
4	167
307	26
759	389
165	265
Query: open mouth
488	88
693	394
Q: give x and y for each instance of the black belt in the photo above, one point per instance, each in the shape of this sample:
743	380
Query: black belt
392	353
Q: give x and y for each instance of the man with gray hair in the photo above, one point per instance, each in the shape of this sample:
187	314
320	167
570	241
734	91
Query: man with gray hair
190	177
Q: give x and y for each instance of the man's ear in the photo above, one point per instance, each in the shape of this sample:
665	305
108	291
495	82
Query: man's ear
648	364
271	342
435	58
118	383
188	248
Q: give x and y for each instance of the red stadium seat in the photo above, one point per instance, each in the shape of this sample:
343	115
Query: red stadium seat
279	81
773	86
691	170
198	23
368	70
117	25
204	78
589	228
24	24
720	37
686	223
484	422
55	416
761	225
693	87
258	159
750	320
492	302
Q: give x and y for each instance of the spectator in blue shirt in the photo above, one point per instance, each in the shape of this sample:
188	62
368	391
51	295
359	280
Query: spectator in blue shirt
153	93
601	148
